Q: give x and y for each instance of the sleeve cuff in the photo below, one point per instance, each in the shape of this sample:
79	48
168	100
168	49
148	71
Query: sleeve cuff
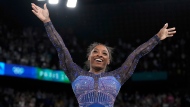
48	23
157	38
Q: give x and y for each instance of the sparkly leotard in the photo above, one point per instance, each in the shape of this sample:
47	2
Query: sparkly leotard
96	90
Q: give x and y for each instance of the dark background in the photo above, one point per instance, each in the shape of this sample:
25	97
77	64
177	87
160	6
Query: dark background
105	21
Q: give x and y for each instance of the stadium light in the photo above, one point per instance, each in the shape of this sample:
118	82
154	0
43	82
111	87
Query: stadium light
71	3
53	1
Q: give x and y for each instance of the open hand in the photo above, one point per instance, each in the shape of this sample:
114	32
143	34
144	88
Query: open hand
42	14
166	32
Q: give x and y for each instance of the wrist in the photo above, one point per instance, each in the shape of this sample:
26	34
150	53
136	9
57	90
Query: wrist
46	20
159	36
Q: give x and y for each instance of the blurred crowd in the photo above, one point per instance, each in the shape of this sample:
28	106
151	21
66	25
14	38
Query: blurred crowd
31	46
10	97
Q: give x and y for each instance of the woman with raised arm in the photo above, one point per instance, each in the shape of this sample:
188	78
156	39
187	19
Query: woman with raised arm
96	87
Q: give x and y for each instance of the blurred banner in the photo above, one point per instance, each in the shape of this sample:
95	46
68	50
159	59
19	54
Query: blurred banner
60	76
33	73
149	76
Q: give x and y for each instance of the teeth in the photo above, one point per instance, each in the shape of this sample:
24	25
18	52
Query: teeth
99	60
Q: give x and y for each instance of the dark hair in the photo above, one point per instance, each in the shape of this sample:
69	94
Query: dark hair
91	47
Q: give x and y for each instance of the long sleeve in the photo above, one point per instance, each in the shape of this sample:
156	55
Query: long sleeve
70	68
126	70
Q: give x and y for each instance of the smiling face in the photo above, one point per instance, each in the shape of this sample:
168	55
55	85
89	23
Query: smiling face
99	58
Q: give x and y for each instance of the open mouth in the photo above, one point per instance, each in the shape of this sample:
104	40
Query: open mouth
99	60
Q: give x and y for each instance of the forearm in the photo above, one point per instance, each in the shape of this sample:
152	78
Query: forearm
131	62
54	37
57	41
147	46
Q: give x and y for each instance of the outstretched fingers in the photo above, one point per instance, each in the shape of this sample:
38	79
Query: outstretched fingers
171	32
165	26
171	29
170	35
35	12
45	7
34	7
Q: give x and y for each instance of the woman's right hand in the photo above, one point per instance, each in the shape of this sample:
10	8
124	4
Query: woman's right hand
42	14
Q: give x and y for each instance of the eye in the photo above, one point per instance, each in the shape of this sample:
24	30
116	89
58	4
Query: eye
95	51
105	53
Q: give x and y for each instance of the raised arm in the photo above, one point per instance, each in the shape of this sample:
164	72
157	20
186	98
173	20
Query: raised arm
65	59
128	67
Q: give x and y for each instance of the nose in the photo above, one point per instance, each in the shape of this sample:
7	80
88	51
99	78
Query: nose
99	54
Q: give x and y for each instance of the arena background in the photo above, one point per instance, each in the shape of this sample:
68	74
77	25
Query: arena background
122	24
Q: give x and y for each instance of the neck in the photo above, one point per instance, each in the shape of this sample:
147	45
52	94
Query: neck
96	71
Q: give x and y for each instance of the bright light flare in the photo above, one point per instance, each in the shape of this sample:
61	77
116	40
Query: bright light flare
53	1
71	3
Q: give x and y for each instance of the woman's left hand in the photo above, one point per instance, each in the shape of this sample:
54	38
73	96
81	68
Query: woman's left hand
166	32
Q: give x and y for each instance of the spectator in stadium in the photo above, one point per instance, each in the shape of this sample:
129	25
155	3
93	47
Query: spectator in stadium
96	87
